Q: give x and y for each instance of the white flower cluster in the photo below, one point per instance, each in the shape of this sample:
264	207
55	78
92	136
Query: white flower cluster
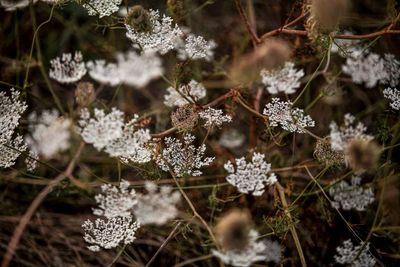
115	201
131	69
347	254
31	161
109	233
286	79
351	196
370	68
49	133
196	47
158	206
341	136
192	91
250	177
11	5
183	158
214	117
68	68
232	139
119	139
162	37
394	96
11	109
102	8
344	47
255	251
289	118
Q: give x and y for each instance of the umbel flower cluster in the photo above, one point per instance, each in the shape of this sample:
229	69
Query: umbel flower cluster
350	255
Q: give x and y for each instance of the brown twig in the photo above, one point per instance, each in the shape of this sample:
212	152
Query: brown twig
254	38
19	230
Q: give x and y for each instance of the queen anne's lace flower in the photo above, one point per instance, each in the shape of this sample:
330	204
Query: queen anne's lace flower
250	177
158	206
49	133
392	68
347	254
10	151
115	201
344	47
193	91
68	68
183	158
118	139
196	47
102	72
102	7
11	5
214	117
162	37
109	233
231	138
255	251
291	119
31	161
351	196
394	96
343	135
285	80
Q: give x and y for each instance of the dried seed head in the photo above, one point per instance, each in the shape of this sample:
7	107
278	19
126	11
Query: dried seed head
333	93
271	55
138	19
232	230
176	9
185	117
362	154
84	94
324	153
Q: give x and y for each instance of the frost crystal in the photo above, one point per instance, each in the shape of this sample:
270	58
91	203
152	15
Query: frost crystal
351	196
196	47
157	206
250	177
394	96
214	117
162	37
183	158
131	69
119	139
291	119
115	201
67	69
102	8
192	91
49	133
11	109
365	67
109	233
263	250
347	254
343	135
285	80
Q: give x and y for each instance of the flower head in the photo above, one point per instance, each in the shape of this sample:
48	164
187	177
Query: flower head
350	255
214	117
196	47
68	68
286	79
102	8
192	91
394	96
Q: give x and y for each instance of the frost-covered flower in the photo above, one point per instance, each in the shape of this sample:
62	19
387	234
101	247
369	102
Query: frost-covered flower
289	118
394	96
11	109
117	138
101	129
392	68
115	201
109	233
263	250
196	47
131	69
214	117
351	196
286	79
183	158
365	67
31	161
341	136
231	138
158	206
192	91
49	133
102	8
250	177
162	37
68	68
347	254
